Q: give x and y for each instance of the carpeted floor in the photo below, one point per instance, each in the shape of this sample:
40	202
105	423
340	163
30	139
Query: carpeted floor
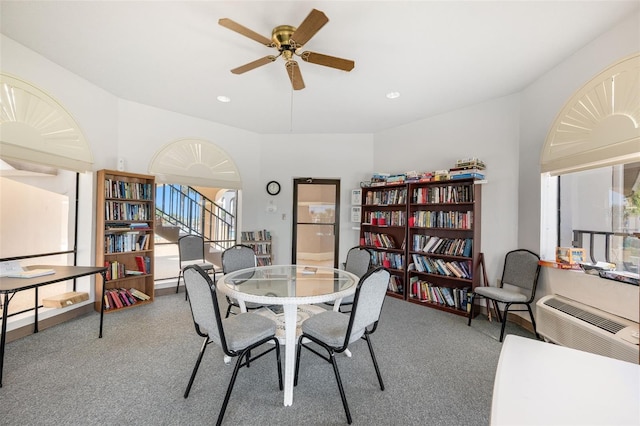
437	371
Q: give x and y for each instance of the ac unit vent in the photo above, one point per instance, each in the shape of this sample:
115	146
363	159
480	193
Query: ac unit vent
600	322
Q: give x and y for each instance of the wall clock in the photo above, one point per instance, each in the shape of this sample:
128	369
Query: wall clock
273	187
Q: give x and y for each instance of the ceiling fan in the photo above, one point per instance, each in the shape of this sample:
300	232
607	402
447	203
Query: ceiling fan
288	40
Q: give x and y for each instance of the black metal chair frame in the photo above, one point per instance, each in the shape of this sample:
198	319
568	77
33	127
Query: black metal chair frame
244	357
502	317
330	357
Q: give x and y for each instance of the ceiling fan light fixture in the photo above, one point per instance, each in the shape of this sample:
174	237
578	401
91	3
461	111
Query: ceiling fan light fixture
223	99
287	39
393	95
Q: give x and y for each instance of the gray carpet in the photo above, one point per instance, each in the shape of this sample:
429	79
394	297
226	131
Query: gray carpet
437	371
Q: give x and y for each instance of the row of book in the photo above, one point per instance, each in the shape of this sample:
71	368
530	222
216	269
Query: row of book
386	218
117	210
447	246
442	219
116	298
395	284
430	265
125	226
452	297
117	270
263	261
387	196
261	249
388	260
261	235
128	190
443	194
379	240
130	241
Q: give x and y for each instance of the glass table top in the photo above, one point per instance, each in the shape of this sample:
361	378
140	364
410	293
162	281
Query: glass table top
289	280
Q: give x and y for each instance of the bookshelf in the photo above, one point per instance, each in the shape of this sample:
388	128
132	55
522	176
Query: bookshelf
260	242
383	230
125	219
428	235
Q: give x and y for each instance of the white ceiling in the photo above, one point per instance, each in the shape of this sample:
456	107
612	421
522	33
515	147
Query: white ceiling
440	55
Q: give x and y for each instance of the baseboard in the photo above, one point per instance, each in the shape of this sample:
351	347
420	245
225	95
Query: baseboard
43	324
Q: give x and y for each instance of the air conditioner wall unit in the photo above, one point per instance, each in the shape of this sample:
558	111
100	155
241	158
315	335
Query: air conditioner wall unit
569	323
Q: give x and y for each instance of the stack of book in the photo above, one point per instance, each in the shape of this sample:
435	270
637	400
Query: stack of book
470	168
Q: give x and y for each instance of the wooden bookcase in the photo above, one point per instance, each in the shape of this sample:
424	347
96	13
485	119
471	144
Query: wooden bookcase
436	238
125	223
260	242
383	230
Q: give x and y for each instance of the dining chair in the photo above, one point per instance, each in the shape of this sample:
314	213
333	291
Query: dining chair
521	271
238	336
358	262
191	252
236	257
335	331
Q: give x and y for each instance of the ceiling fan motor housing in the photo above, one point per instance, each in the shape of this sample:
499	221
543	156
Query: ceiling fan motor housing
281	36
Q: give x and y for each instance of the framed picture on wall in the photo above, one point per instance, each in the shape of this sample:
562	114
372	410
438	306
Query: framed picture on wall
356	196
355	213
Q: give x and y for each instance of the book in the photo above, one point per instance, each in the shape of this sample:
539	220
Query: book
138	294
141	264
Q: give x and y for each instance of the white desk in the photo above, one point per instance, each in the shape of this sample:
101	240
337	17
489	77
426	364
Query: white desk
540	383
289	286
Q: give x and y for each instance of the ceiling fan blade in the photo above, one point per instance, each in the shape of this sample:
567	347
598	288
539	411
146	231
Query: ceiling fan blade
240	29
328	61
309	27
293	70
255	64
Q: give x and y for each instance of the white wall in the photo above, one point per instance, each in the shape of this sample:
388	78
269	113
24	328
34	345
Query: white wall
488	131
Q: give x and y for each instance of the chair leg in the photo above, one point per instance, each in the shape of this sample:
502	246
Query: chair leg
471	299
340	388
275	339
495	304
533	322
195	368
375	362
230	387
504	320
298	350
178	284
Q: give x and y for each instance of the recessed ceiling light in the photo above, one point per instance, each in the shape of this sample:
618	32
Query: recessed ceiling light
224	99
393	95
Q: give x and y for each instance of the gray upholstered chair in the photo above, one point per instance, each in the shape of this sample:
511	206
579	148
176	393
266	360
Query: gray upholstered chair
191	252
521	270
358	262
335	331
238	336
234	258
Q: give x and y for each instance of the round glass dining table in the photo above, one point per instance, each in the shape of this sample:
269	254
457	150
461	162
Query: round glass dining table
294	288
